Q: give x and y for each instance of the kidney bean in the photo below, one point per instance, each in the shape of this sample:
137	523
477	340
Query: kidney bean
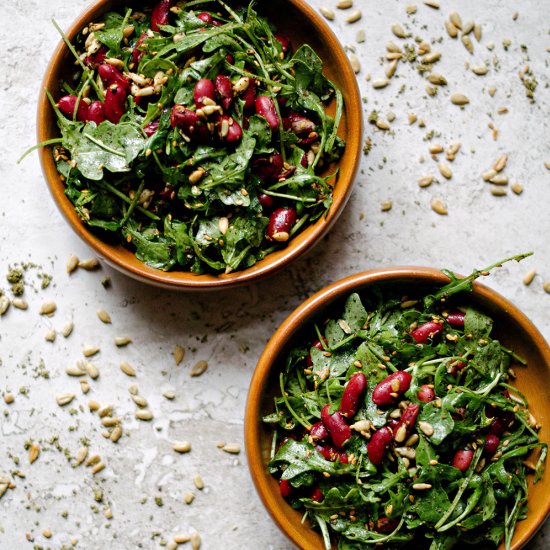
204	89
463	459
96	113
229	58
317	495
426	331
491	444
67	105
249	96
110	75
298	124
426	393
378	443
160	14
267	203
206	17
318	432
339	431
393	423
456	319
408	419
229	130
224	90
189	122
280	223
151	128
287	173
115	103
285	42
396	383
137	54
96	58
285	487
268	167
501	422
386	525
304	161
354	390
265	107
168	193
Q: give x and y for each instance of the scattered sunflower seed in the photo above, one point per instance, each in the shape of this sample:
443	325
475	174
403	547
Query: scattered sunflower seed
499	179
379	83
133	389
344	4
116	434
425	181
50	335
181	538
169	394
81	455
140	401
4	304
480	70
477	32
98	467
182	446
48	308
195	541
121	341
188	497
89	264
327	13
459	99
179	354
232	448
500	163
64	399
439	207
432	57
421	486
547	165
72	263
361	36
452	31
489	174
528	277
411	9
84	386
456	20
391	68
445	170
426	428
198	481
517	188
20	303
144	414
386	206
199	367
354	16
468	27
467	43
75	370
498	191
399	31
103	316
435	148
92	370
437	79
546	286
127	369
355	63
34	452
67	329
432	4
8	398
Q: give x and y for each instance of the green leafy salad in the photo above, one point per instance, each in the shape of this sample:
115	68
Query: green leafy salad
195	135
398	426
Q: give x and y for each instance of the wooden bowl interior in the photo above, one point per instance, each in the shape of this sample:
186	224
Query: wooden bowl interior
301	24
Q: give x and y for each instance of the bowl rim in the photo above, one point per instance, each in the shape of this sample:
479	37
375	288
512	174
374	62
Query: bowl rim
124	260
302	315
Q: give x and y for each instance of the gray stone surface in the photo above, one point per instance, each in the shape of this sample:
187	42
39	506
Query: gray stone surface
229	330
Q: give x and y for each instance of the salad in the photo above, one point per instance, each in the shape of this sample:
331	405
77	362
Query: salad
397	425
195	135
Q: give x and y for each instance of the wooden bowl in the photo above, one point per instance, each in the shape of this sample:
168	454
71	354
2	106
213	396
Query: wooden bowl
301	24
511	327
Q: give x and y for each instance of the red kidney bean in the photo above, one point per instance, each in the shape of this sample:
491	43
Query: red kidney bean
491	444
96	113
265	107
317	495
287	173
280	223
331	453
168	193
206	17
268	167
115	103
426	331
408	419
285	487
229	58
378	443
67	105
224	90
501	422
151	128
393	423
386	525
110	75
249	96
426	393
137	54
189	122
354	390
204	89
318	432
455	366
312	137
304	161
298	124
285	42
96	58
396	383
267	203
160	14
339	431
229	130
456	319
463	459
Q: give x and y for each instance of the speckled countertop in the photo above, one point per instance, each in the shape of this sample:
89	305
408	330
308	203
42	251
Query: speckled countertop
144	482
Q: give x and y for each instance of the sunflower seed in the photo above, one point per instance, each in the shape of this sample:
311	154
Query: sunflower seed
456	20
355	64
459	99
116	434
181	446
390	68
528	278
361	426
411	9
34	452
64	399
500	163
169	394
98	467
392	47
8	398
4	304
20	303
477	32
72	263
50	335
195	541
489	174
199	483
386	206
105	411
92	370
445	170
407	452
140	401
438	79
354	16
360	36
425	181
199	367
432	4
133	389
480	70
468	27
452	150
546	286
452	31
498	191
400	433
439	207
89	264
67	329
144	414
467	43
431	57
492	91
421	486
327	13
89	351
399	31
499	179
48	308
179	354
344	4
188	497
110	421
382	125
424	48
426	428
390	56
84	386
517	188
81	455
94	459
380	83
75	370
232	448
127	369
181	538
93	405
104	317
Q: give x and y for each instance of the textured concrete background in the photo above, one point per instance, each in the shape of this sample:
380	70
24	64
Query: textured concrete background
230	330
